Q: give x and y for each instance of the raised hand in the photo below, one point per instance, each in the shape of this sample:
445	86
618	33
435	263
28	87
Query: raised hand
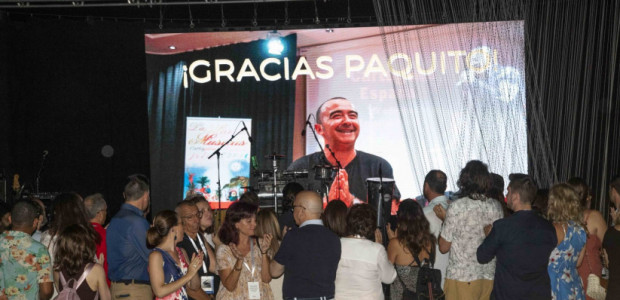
378	236
286	229
390	233
487	229
100	259
340	188
440	212
235	251
196	263
265	242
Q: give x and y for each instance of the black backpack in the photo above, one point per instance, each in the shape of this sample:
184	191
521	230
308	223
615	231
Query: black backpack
429	280
428	285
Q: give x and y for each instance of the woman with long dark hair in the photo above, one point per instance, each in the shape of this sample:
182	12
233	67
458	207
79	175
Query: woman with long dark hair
68	210
335	217
413	240
75	255
242	259
169	270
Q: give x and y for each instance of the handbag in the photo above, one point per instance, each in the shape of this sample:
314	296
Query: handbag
595	290
428	285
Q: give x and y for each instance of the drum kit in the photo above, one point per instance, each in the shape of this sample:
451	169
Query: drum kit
271	183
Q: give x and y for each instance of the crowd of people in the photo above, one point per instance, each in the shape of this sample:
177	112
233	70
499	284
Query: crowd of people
484	244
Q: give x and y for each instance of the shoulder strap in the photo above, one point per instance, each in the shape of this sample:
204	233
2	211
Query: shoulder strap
87	270
432	256
63	282
417	260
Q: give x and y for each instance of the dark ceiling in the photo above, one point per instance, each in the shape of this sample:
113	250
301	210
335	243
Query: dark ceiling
208	15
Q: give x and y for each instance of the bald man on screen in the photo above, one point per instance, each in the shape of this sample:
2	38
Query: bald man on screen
337	122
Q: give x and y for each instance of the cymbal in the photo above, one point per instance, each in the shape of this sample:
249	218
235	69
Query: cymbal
275	156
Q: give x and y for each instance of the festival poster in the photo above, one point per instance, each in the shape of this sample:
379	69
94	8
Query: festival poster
203	137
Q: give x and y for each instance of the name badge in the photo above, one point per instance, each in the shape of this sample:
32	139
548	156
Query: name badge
253	290
207	283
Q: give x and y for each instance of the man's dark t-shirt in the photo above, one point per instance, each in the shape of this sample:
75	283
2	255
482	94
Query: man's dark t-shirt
187	245
363	166
310	256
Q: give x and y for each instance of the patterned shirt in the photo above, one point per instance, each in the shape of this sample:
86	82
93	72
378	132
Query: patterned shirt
24	264
464	228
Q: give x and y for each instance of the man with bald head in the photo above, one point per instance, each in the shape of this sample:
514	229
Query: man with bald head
337	123
308	255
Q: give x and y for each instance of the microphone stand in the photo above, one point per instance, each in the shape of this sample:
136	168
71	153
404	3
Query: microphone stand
323	181
339	166
39	172
218	153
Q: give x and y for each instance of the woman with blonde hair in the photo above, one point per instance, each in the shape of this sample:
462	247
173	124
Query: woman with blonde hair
565	211
267	223
169	270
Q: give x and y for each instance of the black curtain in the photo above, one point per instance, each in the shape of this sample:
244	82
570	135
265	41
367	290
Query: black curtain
270	105
70	88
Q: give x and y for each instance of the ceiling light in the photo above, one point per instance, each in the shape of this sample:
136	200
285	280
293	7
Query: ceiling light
274	43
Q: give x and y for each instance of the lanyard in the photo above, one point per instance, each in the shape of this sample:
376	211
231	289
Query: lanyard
204	265
251	259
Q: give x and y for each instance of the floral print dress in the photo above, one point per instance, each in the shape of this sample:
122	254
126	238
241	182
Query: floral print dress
565	281
173	272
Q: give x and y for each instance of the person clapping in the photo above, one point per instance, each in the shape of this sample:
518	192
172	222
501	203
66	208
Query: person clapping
169	270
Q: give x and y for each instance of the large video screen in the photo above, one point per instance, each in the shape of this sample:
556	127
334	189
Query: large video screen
425	97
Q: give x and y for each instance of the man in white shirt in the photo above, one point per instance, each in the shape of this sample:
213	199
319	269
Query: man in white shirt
434	188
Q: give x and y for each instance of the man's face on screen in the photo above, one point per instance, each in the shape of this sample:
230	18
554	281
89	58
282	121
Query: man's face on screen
339	124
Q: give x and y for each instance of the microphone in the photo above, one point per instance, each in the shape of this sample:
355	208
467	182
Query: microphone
45	153
303	132
334	156
246	131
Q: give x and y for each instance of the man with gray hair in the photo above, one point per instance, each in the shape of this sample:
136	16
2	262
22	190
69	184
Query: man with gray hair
97	211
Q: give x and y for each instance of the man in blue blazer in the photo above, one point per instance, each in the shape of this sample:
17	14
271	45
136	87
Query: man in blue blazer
522	244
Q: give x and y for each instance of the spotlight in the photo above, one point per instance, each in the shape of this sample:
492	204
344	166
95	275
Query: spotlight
329	30
172	47
274	43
